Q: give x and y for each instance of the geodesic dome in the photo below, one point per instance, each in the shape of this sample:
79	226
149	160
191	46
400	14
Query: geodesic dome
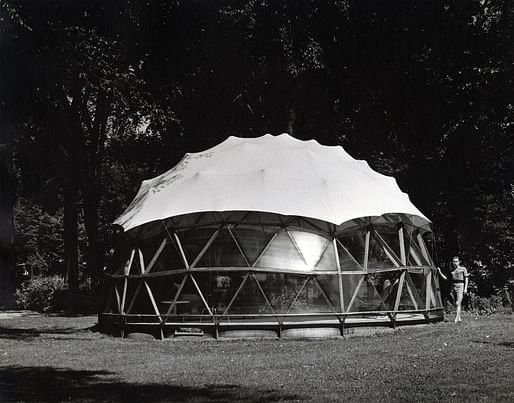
270	233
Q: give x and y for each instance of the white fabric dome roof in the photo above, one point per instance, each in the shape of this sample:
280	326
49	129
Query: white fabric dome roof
275	174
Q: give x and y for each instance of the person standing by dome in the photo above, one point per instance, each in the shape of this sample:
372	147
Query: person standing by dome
460	279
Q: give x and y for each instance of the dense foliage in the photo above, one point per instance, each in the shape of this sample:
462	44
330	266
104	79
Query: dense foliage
99	95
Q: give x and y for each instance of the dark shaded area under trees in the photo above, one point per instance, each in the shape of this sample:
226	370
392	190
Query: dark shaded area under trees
97	95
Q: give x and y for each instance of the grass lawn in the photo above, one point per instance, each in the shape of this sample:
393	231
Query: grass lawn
57	358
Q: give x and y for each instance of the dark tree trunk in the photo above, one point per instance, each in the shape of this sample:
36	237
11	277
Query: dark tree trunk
71	257
7	200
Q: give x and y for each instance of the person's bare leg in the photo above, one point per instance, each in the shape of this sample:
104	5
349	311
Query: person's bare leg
458	304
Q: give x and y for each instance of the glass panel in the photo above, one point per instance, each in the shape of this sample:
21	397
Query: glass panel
310	245
329	283
282	254
436	290
350	283
347	262
253	240
419	284
141	304
222	288
169	259
367	298
414	256
223	252
328	260
250	300
355	244
389	235
281	289
165	289
189	300
194	240
386	284
408	299
379	256
428	240
311	299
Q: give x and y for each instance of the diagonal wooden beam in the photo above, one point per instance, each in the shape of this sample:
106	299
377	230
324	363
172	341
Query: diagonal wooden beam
177	295
238	246
264	295
156	256
401	238
152	300
129	265
205	247
236	294
265	248
141	261
124	295
340	276
298	294
136	293
354	296
200	293
399	292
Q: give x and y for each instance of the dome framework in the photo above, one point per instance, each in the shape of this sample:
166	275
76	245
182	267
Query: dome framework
223	271
203	250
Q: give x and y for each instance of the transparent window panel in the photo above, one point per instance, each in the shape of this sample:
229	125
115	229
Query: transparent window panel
329	283
386	284
311	299
350	284
252	240
189	300
169	258
347	262
193	241
281	289
389	236
328	261
282	254
367	297
355	244
436	289
223	252
223	286
250	299
419	285
409	299
414	256
380	257
138	301
428	240
310	245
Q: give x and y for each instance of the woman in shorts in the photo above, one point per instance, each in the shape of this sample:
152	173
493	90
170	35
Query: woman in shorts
459	277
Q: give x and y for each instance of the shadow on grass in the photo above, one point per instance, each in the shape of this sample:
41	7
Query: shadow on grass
61	384
31	333
509	344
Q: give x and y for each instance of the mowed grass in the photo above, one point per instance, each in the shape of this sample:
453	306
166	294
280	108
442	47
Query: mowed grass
56	358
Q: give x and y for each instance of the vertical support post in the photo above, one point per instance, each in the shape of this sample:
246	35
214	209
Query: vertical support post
403	255
428	288
366	248
340	277
399	293
423	248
